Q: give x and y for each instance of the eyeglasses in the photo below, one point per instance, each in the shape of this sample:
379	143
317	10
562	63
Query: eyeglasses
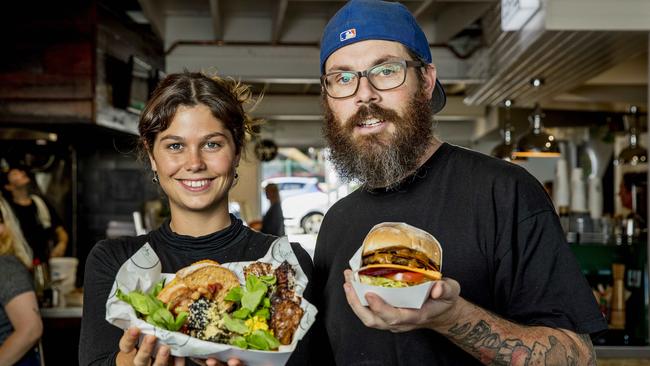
385	76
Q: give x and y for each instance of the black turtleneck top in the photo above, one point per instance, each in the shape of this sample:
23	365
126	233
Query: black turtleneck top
99	340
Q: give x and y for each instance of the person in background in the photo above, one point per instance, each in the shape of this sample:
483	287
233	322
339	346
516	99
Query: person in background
192	133
633	194
38	220
513	291
273	220
20	322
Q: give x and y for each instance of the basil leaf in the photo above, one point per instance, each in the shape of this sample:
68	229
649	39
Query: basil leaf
234	294
239	341
235	325
253	284
241	313
142	303
157	288
266	303
262	340
163	316
153	321
263	313
252	299
269	280
180	321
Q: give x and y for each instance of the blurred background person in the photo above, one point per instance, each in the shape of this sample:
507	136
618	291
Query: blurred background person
632	192
20	322
39	222
273	220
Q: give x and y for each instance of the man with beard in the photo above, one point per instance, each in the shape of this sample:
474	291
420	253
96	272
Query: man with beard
524	299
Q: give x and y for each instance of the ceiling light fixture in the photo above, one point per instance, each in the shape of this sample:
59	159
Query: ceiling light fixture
536	143
505	149
634	153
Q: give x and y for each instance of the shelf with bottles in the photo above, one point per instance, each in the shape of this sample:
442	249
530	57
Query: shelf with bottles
618	275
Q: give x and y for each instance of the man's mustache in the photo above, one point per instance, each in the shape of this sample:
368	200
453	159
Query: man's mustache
371	111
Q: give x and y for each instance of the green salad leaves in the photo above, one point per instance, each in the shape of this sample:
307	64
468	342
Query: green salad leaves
152	310
250	320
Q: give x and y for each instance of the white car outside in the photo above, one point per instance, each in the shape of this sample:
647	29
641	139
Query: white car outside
303	203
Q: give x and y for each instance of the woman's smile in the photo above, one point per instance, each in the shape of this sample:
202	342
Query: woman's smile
196	185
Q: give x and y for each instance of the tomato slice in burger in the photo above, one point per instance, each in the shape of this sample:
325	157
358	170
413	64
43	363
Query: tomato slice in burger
395	274
410	277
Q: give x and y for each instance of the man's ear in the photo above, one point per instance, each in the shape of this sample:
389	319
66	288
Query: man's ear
429	75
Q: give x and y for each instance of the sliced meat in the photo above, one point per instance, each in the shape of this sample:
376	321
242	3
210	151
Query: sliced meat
258	269
285	283
285	319
285	304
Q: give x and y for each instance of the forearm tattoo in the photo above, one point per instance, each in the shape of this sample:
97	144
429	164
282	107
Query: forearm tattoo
492	349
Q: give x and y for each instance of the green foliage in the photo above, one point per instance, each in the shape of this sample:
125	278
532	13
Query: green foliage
152	310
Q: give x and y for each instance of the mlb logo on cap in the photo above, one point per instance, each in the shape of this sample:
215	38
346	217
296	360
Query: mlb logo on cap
348	34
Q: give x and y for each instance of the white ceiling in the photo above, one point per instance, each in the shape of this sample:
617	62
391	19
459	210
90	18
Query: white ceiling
274	45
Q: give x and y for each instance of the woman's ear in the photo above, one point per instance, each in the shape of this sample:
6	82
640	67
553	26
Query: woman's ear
236	161
152	161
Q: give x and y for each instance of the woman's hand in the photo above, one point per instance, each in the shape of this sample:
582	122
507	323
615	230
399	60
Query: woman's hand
215	362
130	355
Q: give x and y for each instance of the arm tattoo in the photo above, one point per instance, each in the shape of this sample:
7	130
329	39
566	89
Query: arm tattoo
489	347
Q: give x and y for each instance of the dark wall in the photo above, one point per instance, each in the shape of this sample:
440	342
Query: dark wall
113	184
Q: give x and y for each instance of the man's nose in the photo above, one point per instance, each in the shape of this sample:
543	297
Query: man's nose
366	93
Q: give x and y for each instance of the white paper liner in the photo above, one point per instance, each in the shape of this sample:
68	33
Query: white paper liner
412	297
402	297
143	270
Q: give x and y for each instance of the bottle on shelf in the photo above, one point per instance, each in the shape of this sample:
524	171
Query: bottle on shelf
617	311
42	284
561	193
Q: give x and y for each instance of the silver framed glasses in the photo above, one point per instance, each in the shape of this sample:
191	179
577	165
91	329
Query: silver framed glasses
385	76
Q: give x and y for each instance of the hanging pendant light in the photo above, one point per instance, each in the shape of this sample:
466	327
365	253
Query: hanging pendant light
634	153
536	143
505	149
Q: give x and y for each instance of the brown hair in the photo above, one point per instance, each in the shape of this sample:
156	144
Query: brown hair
224	96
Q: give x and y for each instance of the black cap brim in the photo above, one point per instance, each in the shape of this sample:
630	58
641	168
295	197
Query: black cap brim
438	98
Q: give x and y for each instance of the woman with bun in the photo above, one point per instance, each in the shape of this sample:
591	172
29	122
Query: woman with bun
192	131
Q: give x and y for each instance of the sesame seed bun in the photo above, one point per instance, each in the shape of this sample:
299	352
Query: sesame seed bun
398	234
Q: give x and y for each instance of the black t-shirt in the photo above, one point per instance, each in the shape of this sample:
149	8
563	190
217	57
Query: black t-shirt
99	340
273	220
37	236
501	241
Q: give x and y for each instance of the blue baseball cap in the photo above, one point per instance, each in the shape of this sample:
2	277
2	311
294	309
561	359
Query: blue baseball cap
362	20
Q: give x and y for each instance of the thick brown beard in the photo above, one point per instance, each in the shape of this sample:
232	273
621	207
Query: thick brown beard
379	160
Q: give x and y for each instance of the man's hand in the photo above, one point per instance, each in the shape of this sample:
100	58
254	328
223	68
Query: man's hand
130	355
438	310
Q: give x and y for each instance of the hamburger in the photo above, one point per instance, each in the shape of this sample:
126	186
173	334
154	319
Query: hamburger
399	255
199	290
204	279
